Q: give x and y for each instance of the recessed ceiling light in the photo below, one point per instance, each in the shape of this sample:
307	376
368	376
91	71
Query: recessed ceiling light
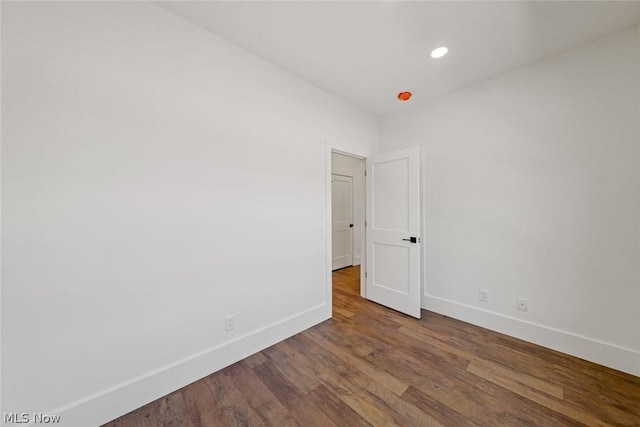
439	52
404	96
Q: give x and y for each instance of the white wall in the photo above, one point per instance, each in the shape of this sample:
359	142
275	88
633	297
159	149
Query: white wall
350	166
155	178
531	188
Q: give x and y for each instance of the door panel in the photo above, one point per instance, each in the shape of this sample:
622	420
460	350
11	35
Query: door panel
393	218
390	189
342	220
391	267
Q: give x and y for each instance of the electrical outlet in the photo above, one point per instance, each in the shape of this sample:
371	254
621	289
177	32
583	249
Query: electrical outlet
483	294
229	322
523	304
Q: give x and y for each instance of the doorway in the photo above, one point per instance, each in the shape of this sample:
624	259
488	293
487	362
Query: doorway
347	212
391	258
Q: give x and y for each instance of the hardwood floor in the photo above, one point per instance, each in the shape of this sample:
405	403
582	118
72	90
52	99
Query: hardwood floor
373	366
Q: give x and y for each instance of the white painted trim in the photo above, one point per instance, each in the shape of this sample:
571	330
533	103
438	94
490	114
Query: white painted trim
1	222
423	227
328	230
363	234
344	153
603	353
106	405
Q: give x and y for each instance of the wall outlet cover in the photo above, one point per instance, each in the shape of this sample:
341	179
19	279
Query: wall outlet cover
522	304
229	322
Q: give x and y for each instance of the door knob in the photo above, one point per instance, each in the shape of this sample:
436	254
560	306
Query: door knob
350	225
411	239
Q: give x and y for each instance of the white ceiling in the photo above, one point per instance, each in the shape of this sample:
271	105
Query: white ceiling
366	52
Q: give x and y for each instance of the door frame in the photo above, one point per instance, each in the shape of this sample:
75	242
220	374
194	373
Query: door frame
328	225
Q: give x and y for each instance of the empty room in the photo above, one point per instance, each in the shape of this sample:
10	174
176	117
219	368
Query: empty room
314	213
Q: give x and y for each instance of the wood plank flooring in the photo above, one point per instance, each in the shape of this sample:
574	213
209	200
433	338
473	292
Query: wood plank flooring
371	366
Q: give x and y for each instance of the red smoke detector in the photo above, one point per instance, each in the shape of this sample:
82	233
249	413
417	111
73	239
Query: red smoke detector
404	96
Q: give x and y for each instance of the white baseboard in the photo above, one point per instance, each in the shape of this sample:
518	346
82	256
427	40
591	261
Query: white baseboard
108	404
607	354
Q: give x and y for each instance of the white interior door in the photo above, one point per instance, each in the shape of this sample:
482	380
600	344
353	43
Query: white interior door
342	220
393	230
